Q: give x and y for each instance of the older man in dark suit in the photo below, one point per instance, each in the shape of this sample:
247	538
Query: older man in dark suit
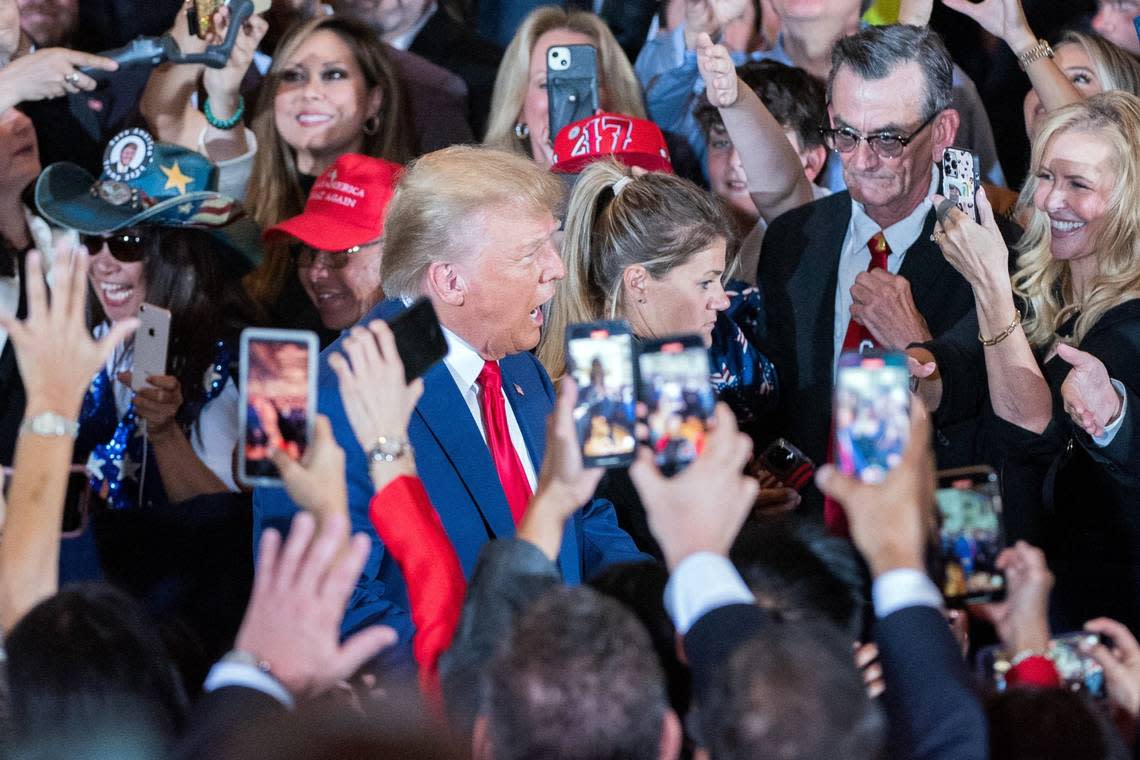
858	268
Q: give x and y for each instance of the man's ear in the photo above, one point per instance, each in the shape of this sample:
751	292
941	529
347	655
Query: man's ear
481	739
671	737
945	131
813	159
445	283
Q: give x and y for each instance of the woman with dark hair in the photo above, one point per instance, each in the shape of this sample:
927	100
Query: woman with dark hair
156	254
88	674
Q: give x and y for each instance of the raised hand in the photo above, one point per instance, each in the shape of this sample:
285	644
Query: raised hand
49	73
1022	620
977	251
1004	19
316	483
563	484
55	352
703	507
718	71
222	84
1121	663
1091	400
890	521
376	398
300	591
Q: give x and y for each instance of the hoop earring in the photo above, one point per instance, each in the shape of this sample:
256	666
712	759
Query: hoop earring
371	125
522	131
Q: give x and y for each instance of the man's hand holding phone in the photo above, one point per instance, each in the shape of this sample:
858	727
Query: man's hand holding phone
890	521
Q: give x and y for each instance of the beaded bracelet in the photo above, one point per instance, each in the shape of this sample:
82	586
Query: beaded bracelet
229	123
1003	334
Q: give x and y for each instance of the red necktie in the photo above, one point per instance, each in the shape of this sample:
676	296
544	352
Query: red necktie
507	463
858	338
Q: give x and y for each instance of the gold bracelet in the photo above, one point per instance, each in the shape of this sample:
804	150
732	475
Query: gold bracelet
1041	50
1004	333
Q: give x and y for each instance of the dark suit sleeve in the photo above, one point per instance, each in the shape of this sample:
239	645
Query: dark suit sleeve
931	705
221	718
602	540
509	575
714	637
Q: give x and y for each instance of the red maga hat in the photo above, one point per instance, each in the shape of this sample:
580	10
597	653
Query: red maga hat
346	205
632	141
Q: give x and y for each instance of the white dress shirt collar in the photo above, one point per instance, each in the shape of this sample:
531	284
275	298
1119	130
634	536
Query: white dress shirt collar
462	360
404	41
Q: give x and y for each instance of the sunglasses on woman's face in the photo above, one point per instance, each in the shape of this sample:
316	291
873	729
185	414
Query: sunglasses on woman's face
124	246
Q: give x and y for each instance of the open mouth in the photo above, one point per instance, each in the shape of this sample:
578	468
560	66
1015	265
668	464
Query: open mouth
313	119
115	294
1064	227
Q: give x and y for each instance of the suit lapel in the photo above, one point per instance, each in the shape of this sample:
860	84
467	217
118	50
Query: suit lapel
825	246
444	410
524	396
924	264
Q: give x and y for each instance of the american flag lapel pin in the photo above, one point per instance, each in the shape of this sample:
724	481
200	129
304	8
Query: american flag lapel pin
519	390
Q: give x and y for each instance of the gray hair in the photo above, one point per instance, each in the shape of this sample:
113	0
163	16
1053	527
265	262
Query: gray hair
442	195
873	53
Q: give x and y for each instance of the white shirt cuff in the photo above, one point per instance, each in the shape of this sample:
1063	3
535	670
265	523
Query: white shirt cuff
905	587
1111	429
239	674
701	583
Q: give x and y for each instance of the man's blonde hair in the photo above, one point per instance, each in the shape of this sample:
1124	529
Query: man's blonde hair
436	210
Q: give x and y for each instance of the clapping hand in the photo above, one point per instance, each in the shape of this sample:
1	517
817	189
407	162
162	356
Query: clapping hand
300	592
702	508
55	352
719	72
1090	398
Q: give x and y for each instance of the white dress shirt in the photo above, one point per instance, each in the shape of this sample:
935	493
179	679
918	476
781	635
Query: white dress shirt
404	41
856	256
464	363
704	581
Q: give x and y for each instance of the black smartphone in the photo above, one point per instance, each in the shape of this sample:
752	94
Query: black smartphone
678	398
571	84
419	338
961	178
76	500
599	356
872	413
278	379
970	536
787	464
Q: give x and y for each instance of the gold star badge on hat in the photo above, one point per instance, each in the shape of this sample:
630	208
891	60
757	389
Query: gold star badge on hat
175	178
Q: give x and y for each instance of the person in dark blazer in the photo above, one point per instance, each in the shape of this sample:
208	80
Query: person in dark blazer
425	28
478	431
825	290
1053	359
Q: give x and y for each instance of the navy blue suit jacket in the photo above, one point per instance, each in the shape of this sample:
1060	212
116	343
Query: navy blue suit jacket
456	467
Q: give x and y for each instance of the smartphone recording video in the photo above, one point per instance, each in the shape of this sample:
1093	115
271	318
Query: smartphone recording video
278	399
678	397
1078	670
970	536
599	356
872	413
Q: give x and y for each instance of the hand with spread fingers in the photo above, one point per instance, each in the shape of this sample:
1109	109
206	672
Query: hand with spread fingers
300	593
55	351
1091	400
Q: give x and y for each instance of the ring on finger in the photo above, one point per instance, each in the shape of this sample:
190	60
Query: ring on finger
72	79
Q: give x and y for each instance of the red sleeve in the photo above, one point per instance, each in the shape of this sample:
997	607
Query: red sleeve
411	530
1034	671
